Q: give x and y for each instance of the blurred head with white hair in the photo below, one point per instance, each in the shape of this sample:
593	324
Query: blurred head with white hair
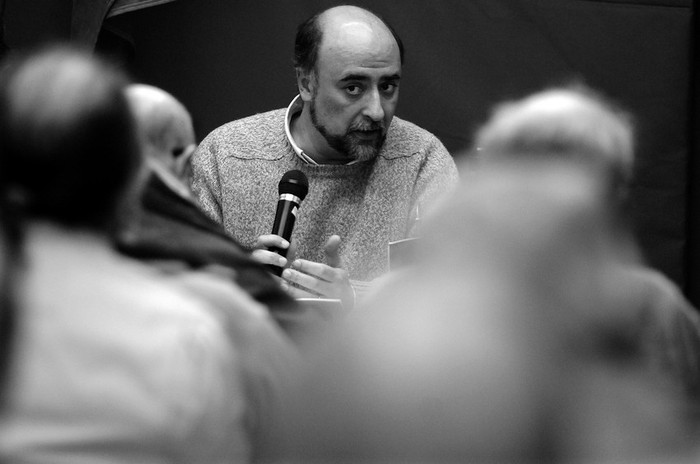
563	125
165	128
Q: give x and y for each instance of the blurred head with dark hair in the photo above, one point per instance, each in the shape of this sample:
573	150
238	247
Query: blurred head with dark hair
68	146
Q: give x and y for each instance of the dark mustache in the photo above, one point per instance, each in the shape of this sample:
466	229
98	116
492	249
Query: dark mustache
367	126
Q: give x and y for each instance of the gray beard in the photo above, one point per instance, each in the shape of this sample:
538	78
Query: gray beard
348	144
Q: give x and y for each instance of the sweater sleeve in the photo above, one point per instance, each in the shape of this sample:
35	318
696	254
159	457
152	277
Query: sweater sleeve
437	179
205	178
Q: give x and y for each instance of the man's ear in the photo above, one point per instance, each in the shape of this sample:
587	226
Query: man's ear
305	83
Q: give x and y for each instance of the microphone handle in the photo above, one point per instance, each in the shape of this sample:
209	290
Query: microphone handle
285	216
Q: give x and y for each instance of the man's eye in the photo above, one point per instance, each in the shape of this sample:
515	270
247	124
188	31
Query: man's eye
389	87
353	89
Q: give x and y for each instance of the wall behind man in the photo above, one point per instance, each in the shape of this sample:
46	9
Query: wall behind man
227	59
28	24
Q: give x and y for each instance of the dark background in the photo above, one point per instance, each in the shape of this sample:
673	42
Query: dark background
225	59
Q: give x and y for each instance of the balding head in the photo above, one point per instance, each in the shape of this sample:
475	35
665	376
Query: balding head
562	124
348	66
165	125
344	24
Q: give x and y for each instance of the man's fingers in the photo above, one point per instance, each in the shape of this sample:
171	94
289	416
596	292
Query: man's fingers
264	250
310	282
332	250
320	270
271	240
269	257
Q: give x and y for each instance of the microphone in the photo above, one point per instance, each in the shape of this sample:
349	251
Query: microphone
293	188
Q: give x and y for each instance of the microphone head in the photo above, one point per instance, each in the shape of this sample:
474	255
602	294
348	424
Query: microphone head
294	182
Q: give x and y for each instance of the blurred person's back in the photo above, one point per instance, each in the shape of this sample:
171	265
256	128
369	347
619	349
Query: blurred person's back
170	226
10	245
169	231
576	127
497	346
111	363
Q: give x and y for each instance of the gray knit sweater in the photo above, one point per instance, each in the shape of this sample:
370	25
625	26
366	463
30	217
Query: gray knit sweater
238	166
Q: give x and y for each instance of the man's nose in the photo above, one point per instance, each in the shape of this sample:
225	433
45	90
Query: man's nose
373	107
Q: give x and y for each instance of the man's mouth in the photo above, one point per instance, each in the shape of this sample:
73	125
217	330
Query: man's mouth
368	134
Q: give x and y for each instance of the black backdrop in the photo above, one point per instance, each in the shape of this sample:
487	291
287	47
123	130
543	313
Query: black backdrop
227	59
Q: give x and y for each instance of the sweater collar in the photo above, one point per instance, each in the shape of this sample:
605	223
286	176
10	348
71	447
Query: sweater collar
294	109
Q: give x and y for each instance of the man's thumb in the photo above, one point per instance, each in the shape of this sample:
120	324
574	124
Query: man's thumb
332	249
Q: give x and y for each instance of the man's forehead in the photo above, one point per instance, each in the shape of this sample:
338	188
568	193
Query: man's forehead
350	32
357	49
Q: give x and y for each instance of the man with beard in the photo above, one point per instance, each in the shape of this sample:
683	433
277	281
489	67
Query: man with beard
371	175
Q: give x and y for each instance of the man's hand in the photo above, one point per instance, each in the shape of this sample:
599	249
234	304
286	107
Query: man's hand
321	280
263	255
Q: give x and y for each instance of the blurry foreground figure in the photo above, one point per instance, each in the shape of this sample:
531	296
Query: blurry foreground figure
165	128
170	227
111	362
510	345
10	245
168	230
578	128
